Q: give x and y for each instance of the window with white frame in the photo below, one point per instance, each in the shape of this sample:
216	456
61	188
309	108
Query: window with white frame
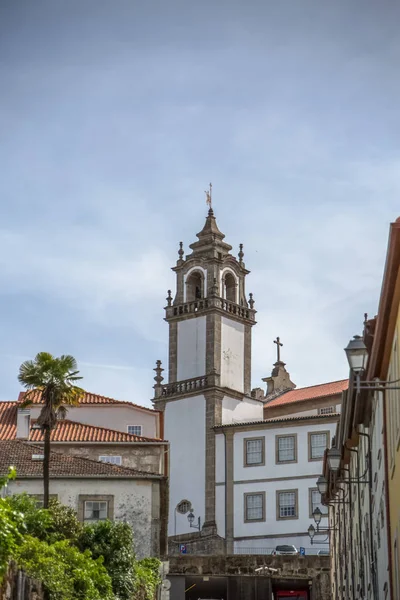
135	429
286	448
254	507
113	460
287	504
315	502
95	510
254	452
327	410
317	444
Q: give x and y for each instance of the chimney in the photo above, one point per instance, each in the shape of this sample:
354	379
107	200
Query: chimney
23	423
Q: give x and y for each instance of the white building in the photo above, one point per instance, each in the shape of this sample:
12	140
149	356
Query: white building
95	490
240	462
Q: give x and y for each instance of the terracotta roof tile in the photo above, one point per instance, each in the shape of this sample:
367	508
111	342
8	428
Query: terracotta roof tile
90	398
19	454
8	420
287	419
66	430
309	393
71	431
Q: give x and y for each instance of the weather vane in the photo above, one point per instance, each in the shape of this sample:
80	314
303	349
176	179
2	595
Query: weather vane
208	194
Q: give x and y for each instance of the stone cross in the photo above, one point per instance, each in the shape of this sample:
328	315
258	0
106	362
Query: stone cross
278	349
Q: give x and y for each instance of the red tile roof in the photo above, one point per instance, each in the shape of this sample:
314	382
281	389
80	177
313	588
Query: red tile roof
90	398
288	419
309	393
19	455
8	420
71	431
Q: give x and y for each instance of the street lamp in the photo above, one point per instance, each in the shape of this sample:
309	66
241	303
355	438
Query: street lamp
334	456
357	354
322	485
317	514
311	533
191	519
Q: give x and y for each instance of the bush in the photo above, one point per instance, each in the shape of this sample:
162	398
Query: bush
11	527
66	573
147	578
56	523
114	542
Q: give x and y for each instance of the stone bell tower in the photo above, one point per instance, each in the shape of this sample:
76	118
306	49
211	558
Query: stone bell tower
209	371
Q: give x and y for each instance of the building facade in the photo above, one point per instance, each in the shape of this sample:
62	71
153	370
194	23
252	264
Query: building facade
95	490
243	463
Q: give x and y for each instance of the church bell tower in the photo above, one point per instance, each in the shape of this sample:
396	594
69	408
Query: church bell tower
209	372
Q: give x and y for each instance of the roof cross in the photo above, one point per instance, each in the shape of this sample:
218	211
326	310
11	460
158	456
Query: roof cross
278	348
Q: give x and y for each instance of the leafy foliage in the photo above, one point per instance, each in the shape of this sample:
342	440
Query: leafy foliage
147	578
11	527
58	522
66	573
113	541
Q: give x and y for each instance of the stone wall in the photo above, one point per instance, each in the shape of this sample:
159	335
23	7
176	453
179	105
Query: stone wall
315	569
16	585
204	543
148	458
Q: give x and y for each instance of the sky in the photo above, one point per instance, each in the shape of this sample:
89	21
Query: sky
114	118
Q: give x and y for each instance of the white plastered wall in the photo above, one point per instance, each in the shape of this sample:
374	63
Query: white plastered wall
111	416
191	348
132	501
232	354
237	411
185	430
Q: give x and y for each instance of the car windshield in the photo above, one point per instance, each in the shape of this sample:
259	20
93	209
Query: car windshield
285	549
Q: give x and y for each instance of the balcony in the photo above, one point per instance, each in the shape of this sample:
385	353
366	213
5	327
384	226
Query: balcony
213	302
184	387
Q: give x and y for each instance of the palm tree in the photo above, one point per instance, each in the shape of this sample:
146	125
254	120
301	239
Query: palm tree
52	381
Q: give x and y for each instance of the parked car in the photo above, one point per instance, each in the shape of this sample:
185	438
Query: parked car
285	550
323	553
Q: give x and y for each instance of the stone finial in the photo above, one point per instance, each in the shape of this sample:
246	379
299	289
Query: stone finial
241	254
181	251
251	301
158	379
169	298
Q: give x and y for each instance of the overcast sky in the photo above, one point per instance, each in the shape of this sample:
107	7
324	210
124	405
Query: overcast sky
115	116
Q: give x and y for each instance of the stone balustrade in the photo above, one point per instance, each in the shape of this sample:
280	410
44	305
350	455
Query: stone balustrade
185	386
202	304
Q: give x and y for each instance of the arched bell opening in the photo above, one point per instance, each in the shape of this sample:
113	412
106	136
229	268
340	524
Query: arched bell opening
194	286
230	287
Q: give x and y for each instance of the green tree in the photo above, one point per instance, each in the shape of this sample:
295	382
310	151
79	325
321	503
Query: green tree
113	541
11	525
66	573
55	380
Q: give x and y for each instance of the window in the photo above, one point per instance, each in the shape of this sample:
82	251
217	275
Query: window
95	507
39	499
317	444
114	460
315	502
229	287
135	429
286	448
96	510
254	452
194	286
287	505
254	507
183	507
327	410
